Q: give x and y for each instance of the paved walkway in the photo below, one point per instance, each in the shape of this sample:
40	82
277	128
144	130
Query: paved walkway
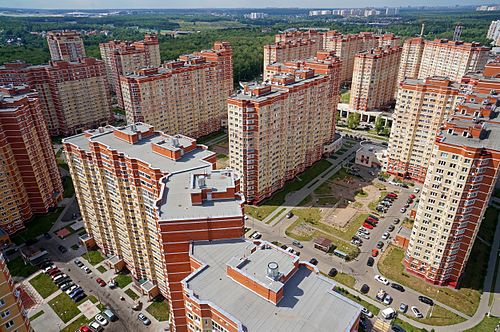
293	199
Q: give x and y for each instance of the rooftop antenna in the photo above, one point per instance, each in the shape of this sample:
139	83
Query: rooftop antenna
458	32
422	30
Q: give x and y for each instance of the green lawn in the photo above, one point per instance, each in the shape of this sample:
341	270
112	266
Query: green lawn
209	137
38	314
276	216
64	307
373	205
487	324
375	310
37	226
76	324
123	280
94	257
269	205
17	268
407	326
327	201
344	97
101	269
133	295
159	310
43	285
440	317
69	190
343	278
465	300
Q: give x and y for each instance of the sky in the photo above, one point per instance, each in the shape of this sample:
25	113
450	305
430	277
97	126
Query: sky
96	4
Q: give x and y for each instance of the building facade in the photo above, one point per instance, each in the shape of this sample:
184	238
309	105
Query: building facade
13	317
144	196
29	175
420	109
186	96
374	79
411	58
494	32
278	129
73	95
122	58
463	170
65	45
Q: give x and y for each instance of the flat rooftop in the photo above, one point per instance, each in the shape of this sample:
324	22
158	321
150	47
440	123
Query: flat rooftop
175	202
489	138
309	302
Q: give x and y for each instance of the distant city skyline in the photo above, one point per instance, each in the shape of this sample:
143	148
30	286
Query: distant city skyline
130	4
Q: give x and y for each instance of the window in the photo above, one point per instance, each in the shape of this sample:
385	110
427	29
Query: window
5	313
2	302
9	324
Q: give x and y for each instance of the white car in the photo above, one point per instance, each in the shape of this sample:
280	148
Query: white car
86	269
366	312
381	279
417	312
72	288
387	299
416	190
50	267
101	320
385	236
256	235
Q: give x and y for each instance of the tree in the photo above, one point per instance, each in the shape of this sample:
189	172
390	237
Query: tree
379	125
353	120
386	131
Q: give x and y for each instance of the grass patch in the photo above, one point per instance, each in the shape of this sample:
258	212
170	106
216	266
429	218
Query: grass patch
43	285
345	279
133	295
94	257
330	200
359	300
487	324
17	268
465	300
276	216
64	307
101	269
92	299
269	205
306	201
407	326
373	205
210	137
488	226
441	316
69	189
37	226
222	156
408	223
123	280
76	324
361	193
159	310
38	314
344	97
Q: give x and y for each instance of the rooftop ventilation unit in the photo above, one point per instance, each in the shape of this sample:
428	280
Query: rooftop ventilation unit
272	270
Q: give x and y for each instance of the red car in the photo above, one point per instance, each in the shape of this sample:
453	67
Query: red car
52	271
85	328
392	195
101	282
374	252
412	196
375	221
367	225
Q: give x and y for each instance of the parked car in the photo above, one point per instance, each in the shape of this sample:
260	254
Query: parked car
392	195
101	282
58	276
370	261
364	230
71	289
380	244
398	287
297	244
388	313
365	236
112	283
365	225
47	236
397	328
49	268
387	299
403	307
396	221
416	190
403	210
284	247
256	235
390	228
412	196
289	215
313	261
381	279
426	300
64	287
385	236
374	252
380	295
101	320
86	269
75	292
62	249
374	217
417	312
143	319
95	326
79	297
62	280
333	272
365	289
110	315
85	328
366	312
78	263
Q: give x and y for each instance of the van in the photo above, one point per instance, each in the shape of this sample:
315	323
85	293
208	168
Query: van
110	315
388	313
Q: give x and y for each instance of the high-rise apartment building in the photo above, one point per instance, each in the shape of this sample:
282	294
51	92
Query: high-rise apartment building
278	129
347	46
420	109
374	79
186	96
121	58
463	170
29	177
240	285
65	45
411	58
494	32
144	196
73	95
284	37
13	317
441	57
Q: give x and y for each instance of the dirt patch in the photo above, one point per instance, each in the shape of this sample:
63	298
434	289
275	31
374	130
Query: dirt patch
339	217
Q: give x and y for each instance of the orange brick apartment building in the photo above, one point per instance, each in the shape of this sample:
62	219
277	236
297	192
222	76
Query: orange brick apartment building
65	45
122	57
29	176
74	96
153	194
186	96
278	129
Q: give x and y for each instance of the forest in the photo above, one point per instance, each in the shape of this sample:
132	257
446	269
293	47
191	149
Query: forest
247	39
